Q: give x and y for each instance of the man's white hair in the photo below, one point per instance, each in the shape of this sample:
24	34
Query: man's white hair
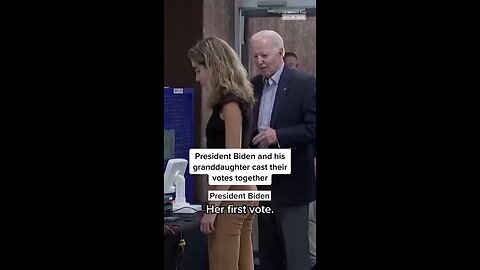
271	35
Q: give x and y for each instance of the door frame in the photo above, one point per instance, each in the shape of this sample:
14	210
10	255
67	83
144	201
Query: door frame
241	24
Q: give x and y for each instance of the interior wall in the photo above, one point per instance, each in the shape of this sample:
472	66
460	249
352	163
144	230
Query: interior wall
218	19
182	28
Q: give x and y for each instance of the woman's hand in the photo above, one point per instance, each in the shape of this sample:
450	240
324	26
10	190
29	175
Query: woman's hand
207	223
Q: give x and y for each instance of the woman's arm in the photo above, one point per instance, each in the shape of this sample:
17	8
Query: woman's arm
232	117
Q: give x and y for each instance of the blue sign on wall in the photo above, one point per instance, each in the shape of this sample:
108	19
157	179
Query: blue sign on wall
178	129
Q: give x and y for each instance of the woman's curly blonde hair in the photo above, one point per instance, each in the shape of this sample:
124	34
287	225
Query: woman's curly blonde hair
227	75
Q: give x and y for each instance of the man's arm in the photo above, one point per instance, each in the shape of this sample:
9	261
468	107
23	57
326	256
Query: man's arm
304	133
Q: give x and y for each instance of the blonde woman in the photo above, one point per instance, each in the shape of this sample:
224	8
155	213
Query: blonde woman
220	72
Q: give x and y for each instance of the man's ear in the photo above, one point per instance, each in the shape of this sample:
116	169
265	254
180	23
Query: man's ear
282	52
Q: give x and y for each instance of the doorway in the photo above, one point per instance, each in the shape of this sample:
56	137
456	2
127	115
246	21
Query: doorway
299	36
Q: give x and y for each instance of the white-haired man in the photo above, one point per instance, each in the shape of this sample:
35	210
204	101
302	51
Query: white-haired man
285	117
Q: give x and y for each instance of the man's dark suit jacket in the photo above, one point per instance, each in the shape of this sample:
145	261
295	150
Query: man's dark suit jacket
294	119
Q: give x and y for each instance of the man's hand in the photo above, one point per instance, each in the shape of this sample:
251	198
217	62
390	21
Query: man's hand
207	223
267	137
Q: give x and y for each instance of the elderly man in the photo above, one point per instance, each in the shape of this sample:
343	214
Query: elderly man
285	117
